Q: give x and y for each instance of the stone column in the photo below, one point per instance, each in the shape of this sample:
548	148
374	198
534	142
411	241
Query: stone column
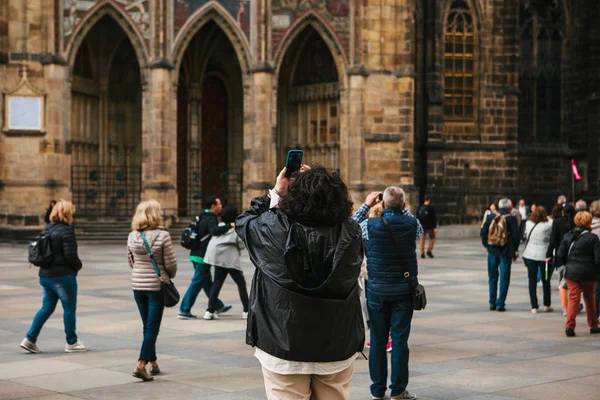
159	140
259	138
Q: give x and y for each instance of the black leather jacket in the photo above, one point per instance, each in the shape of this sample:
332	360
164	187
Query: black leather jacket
304	303
64	247
583	261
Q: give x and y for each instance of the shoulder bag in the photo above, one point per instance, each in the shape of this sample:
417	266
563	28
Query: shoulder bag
418	291
168	289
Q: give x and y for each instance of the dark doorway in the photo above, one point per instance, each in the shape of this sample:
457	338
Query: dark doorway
214	137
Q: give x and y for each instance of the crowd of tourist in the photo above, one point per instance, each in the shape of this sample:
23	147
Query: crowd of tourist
322	272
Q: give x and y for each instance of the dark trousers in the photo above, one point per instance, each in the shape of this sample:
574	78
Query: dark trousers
533	268
202	280
151	306
63	288
598	298
220	276
389	312
498	268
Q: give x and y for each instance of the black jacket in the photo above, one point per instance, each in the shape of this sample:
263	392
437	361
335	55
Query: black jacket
512	246
64	247
205	224
426	216
304	303
560	227
583	261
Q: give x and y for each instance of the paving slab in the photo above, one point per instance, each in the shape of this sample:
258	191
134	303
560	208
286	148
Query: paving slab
459	349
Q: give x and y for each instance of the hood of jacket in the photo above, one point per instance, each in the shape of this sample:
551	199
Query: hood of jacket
313	255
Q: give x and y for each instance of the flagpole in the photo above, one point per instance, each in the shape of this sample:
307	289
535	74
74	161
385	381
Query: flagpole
573	187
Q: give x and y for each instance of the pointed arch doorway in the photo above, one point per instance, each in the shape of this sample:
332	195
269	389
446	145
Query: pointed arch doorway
106	123
209	122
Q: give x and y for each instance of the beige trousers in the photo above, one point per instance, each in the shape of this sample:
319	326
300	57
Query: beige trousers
308	387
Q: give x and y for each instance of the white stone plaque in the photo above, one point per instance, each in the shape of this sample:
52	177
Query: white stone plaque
25	113
280	21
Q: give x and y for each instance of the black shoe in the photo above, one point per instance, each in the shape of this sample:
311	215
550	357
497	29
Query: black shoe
501	309
422	255
429	254
492	308
594	331
569	332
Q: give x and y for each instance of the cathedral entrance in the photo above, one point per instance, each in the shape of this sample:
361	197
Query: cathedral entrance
209	122
106	123
308	101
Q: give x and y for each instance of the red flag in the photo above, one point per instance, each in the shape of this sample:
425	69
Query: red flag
574	169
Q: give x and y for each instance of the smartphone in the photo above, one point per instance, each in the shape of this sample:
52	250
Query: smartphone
380	196
293	162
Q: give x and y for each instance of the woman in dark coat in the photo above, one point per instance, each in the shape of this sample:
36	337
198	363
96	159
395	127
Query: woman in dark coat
59	279
579	252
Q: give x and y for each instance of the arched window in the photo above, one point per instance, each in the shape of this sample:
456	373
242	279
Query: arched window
460	67
542	32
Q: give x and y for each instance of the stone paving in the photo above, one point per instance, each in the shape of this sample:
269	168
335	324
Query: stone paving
459	349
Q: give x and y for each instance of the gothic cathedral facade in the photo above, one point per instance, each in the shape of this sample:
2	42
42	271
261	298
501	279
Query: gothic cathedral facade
107	102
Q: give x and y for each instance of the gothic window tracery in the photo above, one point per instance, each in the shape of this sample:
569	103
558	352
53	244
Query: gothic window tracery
540	72
460	65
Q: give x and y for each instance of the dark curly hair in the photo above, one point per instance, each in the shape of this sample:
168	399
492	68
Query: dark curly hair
317	197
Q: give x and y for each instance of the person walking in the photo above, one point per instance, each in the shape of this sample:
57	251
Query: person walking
428	220
560	227
223	252
500	236
595	211
148	232
206	222
581	205
304	318
389	291
524	213
59	279
537	231
515	213
579	252
492	210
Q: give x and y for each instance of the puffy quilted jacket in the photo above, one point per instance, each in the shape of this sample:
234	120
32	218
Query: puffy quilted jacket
143	275
64	247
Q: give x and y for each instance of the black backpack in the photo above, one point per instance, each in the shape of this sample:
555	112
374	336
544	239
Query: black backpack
40	251
422	213
189	237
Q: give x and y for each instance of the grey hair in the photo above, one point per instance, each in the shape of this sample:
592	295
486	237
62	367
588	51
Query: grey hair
504	203
561	199
394	197
581	205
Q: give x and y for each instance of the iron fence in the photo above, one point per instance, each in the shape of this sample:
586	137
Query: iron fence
106	191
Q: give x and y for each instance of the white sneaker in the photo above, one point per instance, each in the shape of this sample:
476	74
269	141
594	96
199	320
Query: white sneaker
534	310
208	316
548	309
244	315
76	347
29	346
404	396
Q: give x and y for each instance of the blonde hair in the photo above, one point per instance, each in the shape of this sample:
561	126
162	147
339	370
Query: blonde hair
376	211
62	212
595	209
147	216
583	218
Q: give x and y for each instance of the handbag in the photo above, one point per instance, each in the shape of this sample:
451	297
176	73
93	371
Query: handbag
419	297
170	292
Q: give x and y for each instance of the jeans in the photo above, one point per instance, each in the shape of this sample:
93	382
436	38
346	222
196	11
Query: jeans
220	276
55	288
151	306
575	290
533	269
497	262
385	312
202	280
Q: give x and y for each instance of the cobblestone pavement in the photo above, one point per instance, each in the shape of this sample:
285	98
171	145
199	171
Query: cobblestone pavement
459	349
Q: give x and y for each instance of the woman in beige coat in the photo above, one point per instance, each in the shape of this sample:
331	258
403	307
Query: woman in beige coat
145	282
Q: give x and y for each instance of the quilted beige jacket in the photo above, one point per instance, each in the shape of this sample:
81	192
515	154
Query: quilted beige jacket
143	275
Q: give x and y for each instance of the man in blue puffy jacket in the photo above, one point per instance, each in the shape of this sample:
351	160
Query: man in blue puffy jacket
392	271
